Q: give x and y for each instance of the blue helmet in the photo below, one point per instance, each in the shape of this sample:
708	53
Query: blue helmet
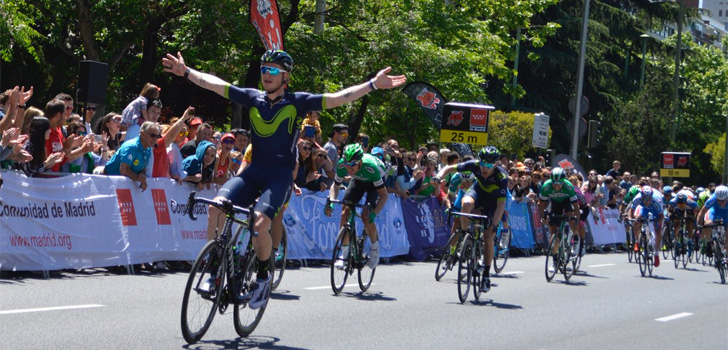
646	191
700	190
279	57
667	190
378	152
681	198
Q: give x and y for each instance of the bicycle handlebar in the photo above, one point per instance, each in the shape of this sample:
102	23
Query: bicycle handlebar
336	201
225	205
472	216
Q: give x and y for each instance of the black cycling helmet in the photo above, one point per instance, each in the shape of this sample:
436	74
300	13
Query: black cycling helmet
489	154
278	56
682	198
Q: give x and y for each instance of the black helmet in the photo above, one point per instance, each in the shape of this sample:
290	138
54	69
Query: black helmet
278	56
489	154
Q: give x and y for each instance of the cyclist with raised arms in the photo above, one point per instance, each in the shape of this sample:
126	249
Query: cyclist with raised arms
648	202
562	196
716	207
367	177
488	194
276	115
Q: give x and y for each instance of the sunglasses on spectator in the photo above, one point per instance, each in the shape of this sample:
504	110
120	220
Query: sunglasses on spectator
228	140
487	165
81	133
412	159
155	136
91	109
237	161
116	119
306	148
271	70
529	163
321	155
184	133
345	134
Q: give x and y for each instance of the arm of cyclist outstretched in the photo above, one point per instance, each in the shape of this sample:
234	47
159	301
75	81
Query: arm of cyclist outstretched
176	66
445	171
353	93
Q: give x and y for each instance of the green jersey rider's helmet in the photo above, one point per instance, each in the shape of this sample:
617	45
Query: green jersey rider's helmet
489	154
353	153
558	175
279	57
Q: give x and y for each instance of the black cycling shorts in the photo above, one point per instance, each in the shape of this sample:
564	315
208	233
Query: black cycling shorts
270	186
356	191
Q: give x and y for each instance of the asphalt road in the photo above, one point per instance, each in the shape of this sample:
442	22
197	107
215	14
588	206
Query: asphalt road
606	306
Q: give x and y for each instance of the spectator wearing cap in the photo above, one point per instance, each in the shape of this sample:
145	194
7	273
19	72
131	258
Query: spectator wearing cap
224	162
161	164
204	133
242	139
339	134
194	124
132	158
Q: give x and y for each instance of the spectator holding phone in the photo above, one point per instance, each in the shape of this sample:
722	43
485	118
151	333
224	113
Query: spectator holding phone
89	160
109	127
162	166
363	140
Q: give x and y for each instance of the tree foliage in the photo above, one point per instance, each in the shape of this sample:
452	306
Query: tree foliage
512	132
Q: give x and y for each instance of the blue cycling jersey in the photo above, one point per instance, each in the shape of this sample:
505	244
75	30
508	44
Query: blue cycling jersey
493	188
275	125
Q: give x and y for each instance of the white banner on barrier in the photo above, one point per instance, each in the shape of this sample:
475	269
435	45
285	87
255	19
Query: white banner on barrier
605	228
82	221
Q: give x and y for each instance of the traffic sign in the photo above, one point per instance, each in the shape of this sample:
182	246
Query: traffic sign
675	164
541	130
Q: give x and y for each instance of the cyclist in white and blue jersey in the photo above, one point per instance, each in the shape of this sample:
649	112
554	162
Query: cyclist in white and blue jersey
648	202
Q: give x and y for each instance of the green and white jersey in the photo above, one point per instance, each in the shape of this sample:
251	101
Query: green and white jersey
372	170
633	191
565	193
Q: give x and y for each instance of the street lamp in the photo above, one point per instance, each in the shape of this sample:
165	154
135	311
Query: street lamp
644	52
676	77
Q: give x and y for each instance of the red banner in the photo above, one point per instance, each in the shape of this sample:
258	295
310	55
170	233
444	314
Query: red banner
264	17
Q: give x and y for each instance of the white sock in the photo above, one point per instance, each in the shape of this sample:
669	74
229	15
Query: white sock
374	246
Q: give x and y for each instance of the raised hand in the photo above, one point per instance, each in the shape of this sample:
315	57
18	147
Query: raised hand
384	81
174	65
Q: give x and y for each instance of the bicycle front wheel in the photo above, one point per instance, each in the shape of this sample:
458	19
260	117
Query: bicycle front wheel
477	277
340	264
642	255
202	293
501	251
280	261
630	246
246	319
568	258
552	262
720	262
465	269
446	260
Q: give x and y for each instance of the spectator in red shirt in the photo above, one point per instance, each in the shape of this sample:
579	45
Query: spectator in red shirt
56	142
160	168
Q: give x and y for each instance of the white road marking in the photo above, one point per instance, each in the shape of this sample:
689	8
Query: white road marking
55	308
601	265
327	287
673	317
511	273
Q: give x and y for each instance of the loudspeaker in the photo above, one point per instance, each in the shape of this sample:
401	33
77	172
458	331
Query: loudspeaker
92	81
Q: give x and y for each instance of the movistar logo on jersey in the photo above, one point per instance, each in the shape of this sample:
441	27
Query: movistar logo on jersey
265	128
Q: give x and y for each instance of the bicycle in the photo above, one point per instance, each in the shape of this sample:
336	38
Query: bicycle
668	240
221	276
717	244
682	247
343	266
646	247
447	260
630	240
501	251
566	255
278	263
470	251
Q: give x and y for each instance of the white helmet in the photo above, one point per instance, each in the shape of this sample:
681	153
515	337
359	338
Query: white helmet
721	193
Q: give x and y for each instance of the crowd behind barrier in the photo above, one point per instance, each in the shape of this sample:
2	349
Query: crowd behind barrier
84	221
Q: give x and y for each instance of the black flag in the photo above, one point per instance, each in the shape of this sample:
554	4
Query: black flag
427	97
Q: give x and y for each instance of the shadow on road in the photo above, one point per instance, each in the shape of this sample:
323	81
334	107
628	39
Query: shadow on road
490	302
582	273
573	283
284	295
368	296
252	342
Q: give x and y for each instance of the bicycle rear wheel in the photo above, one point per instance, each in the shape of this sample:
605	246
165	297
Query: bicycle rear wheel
199	304
280	261
568	255
340	272
465	268
576	262
246	319
630	246
502	250
688	255
666	242
446	260
641	255
552	263
365	273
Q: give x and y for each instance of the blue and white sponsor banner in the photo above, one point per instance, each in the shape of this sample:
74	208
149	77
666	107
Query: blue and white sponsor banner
311	234
605	228
520	224
82	221
427	226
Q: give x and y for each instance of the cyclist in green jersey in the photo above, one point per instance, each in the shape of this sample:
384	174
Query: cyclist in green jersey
562	196
367	174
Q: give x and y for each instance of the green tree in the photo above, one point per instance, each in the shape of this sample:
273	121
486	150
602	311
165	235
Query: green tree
512	132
